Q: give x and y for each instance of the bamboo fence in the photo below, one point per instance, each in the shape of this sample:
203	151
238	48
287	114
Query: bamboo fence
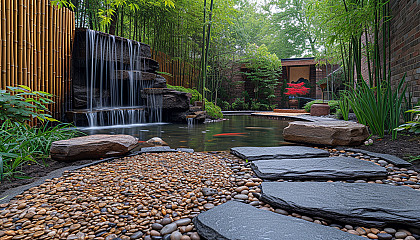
36	48
176	71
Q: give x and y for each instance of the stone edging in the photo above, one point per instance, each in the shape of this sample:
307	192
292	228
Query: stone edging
387	157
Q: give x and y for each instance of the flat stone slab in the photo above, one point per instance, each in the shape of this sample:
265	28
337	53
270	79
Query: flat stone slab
366	204
92	147
283	152
157	149
333	133
317	168
235	220
387	157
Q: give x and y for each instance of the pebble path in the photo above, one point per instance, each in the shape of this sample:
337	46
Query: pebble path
155	196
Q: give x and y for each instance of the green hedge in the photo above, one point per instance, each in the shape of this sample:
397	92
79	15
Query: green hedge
334	105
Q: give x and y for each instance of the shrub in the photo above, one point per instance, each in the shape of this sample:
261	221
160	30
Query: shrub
22	144
334	105
22	104
378	107
213	111
239	104
414	125
196	96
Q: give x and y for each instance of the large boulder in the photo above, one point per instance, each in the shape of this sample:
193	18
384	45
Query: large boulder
92	147
331	133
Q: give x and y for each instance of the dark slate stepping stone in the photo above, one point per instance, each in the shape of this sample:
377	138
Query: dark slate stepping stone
157	149
365	204
240	221
283	152
387	157
317	168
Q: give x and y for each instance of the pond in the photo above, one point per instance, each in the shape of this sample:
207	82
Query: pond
236	131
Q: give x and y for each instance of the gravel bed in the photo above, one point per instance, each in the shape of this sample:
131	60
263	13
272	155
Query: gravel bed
155	196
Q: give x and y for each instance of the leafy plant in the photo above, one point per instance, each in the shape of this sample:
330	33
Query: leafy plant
414	125
239	104
344	107
413	158
379	107
21	104
22	144
213	110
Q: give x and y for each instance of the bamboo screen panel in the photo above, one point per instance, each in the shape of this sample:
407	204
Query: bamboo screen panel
36	47
182	73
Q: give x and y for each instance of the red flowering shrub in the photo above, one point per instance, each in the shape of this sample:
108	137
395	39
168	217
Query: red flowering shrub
295	89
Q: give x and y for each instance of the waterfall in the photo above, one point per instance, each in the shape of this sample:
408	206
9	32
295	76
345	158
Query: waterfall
114	82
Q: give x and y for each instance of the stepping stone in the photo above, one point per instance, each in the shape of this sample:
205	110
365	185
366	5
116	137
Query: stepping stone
365	204
235	220
387	157
283	152
317	168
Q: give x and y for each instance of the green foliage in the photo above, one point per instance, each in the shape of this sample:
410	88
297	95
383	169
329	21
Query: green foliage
379	108
213	111
224	105
196	96
22	104
413	158
344	107
22	144
239	104
334	105
264	72
413	125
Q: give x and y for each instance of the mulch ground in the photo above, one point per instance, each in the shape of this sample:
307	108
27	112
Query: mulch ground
405	146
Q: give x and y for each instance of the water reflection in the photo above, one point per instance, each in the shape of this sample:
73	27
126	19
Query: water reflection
244	131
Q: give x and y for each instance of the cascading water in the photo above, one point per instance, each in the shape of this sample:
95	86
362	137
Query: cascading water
114	83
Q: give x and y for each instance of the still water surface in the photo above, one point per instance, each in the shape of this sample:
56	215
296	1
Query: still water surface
251	131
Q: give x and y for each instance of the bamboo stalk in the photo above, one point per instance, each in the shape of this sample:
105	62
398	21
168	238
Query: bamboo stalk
15	42
32	76
50	47
38	46
2	53
42	54
24	67
9	44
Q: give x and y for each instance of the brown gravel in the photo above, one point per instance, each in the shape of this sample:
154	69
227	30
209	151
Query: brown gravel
152	195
